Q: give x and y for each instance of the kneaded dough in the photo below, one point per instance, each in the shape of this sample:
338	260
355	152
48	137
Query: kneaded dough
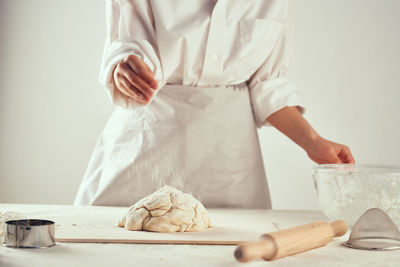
167	210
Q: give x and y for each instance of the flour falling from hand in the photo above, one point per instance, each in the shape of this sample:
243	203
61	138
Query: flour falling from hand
167	210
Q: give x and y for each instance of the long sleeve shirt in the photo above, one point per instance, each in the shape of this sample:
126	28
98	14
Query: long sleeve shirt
205	43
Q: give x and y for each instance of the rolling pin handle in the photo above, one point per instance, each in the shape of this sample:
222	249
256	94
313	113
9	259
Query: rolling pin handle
339	228
248	251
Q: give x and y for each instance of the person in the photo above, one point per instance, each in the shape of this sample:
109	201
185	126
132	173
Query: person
192	81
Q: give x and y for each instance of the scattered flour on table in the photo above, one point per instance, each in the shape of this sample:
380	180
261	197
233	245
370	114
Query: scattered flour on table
167	210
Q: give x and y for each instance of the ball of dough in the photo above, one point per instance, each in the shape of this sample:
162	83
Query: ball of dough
167	210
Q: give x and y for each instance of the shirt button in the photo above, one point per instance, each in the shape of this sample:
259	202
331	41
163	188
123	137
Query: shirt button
214	57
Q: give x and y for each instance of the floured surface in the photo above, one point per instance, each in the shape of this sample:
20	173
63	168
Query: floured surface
99	225
230	227
99	255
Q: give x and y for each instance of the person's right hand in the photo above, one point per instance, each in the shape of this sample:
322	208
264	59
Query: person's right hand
134	79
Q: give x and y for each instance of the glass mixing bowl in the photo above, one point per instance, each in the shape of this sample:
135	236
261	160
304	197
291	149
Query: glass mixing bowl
346	191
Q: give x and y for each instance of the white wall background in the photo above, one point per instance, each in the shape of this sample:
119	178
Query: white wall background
52	108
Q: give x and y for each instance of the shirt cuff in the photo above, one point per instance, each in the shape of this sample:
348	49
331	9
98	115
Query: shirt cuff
270	96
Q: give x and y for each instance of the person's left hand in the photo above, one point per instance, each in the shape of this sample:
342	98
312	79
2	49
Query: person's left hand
323	151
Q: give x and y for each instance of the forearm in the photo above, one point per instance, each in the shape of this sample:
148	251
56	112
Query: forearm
291	123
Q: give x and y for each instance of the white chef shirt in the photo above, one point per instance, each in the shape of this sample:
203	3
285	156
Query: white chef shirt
204	43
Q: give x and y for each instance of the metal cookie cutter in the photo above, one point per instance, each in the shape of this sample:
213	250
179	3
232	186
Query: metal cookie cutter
29	233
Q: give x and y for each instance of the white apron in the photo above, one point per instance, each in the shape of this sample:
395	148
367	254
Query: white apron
201	140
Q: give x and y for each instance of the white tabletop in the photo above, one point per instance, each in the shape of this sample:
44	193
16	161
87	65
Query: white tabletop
75	254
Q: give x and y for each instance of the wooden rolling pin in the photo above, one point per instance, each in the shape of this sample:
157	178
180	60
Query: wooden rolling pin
290	241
